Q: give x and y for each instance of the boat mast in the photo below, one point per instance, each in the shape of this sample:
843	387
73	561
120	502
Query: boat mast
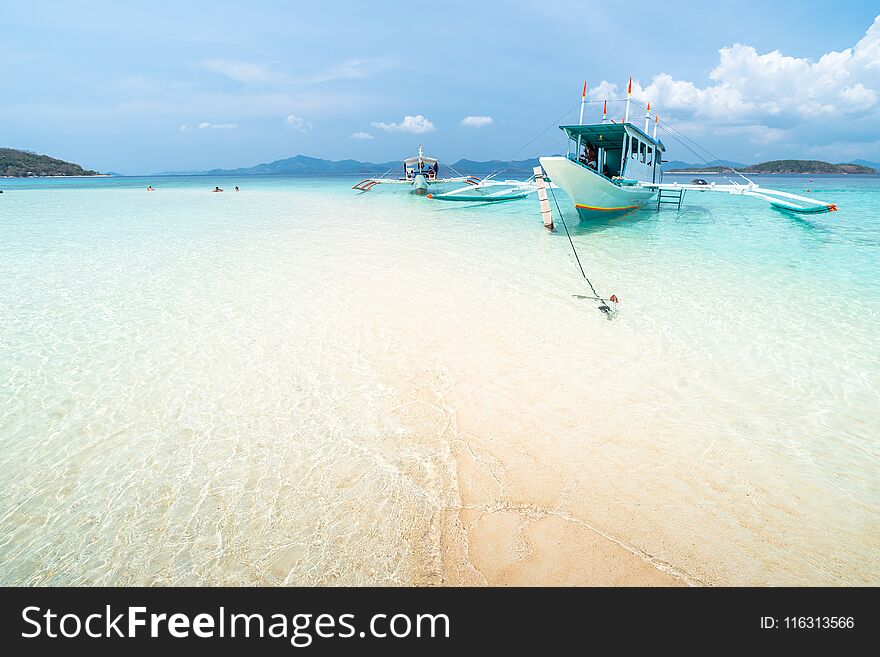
656	118
600	158
581	119
629	91
647	117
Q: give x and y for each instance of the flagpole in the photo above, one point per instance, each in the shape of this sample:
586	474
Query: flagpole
629	91
581	120
583	100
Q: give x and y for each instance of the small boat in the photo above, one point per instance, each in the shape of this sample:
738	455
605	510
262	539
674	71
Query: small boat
420	173
614	168
490	190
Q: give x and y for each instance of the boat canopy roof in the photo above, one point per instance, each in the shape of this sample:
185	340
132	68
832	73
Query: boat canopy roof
410	161
610	132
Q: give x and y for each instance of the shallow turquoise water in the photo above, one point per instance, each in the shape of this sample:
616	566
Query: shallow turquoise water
262	387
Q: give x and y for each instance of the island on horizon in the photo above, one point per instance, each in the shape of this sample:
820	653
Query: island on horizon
16	163
772	167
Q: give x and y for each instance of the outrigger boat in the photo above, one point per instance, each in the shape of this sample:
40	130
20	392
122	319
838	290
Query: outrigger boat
614	168
420	172
490	190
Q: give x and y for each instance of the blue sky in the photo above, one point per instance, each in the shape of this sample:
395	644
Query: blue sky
173	85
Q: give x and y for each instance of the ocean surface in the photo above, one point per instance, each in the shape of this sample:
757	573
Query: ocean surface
268	387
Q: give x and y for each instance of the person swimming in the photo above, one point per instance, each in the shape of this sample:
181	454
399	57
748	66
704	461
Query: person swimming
236	188
216	189
150	188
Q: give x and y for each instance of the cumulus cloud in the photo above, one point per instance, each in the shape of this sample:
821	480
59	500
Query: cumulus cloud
415	124
298	123
477	121
769	90
362	135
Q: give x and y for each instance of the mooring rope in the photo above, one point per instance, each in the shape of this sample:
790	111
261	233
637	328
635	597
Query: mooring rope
604	307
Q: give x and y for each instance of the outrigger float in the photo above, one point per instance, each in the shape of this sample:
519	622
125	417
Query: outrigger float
614	168
420	173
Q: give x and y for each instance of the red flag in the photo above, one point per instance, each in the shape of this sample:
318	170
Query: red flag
629	89
584	95
604	108
649	107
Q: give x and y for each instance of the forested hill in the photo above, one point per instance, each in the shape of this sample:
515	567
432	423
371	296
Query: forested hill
807	166
24	164
783	166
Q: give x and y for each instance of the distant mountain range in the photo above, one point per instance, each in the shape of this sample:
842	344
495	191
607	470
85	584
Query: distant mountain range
305	166
19	163
25	164
866	163
776	167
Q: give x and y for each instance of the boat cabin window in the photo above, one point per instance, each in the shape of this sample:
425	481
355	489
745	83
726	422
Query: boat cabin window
643	150
603	152
635	148
650	155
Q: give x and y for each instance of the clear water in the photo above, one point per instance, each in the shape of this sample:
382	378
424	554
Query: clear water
268	387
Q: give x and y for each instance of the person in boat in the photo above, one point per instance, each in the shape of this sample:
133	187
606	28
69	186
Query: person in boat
589	156
216	189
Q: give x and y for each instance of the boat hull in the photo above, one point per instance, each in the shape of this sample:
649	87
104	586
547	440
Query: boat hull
594	196
420	185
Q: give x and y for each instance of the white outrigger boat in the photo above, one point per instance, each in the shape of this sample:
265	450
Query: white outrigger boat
490	190
614	168
420	173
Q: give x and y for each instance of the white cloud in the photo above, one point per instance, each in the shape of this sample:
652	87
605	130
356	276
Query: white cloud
298	123
477	121
253	74
204	125
415	124
353	69
362	135
245	72
770	91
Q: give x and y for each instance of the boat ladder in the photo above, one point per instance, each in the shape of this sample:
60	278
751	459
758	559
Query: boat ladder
670	197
